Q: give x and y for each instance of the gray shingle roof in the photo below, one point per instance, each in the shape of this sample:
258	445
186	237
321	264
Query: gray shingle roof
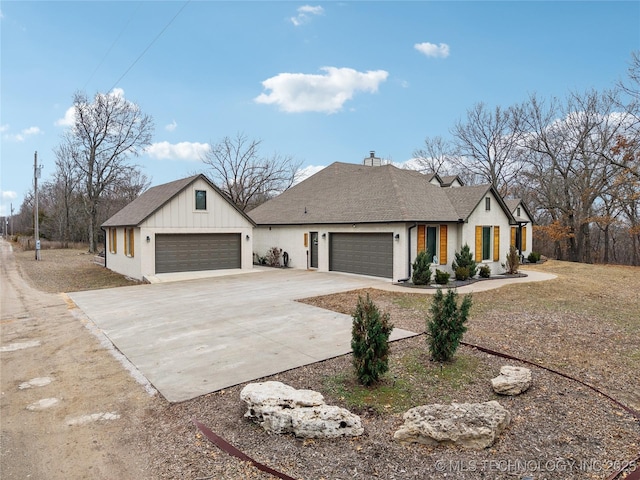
151	200
512	204
352	193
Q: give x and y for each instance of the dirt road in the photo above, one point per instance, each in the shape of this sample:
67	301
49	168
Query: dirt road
68	409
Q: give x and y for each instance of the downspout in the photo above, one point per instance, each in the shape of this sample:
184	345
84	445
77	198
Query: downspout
105	246
409	253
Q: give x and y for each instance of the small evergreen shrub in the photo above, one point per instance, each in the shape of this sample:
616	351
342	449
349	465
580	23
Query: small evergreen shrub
422	269
442	278
446	324
533	257
465	259
370	341
462	273
513	261
485	271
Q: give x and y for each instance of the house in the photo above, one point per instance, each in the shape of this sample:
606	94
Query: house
185	225
522	233
373	219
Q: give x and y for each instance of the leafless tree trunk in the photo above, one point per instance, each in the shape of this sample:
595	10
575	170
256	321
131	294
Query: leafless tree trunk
107	131
247	177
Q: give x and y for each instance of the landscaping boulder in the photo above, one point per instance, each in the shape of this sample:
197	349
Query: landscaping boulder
512	380
279	408
470	425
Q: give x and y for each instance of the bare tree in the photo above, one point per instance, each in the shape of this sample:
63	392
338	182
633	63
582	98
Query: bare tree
436	156
486	145
247	177
108	130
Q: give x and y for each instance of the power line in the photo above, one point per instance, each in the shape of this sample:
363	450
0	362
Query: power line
111	47
150	44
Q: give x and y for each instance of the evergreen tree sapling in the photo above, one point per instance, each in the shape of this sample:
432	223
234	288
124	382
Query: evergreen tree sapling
370	341
446	324
465	259
422	269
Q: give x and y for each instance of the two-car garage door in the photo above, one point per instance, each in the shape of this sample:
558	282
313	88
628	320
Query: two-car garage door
362	253
197	251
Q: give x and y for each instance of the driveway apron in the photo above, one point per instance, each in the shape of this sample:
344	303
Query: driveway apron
194	337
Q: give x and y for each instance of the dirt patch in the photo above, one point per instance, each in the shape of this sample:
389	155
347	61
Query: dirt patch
584	323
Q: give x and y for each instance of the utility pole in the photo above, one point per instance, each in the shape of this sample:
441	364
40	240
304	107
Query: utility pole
36	175
11	219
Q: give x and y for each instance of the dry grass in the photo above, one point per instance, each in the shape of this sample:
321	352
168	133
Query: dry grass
66	270
585	323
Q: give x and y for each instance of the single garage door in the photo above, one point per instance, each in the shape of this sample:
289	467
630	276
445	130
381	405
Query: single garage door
197	251
362	253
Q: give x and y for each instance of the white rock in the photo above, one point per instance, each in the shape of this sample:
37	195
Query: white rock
35	382
279	408
471	425
259	396
43	404
93	417
512	380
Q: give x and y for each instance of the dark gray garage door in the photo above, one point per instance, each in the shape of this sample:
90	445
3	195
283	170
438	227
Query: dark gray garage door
197	251
362	253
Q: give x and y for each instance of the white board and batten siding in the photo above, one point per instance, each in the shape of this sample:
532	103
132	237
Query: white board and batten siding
179	216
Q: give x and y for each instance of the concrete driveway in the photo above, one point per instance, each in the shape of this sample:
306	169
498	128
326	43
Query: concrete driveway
193	337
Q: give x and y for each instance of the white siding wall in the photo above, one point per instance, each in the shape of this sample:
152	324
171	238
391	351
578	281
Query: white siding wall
529	235
496	216
180	216
121	263
291	240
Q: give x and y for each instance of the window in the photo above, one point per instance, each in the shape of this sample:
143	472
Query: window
201	199
113	240
128	242
487	203
486	243
431	241
518	211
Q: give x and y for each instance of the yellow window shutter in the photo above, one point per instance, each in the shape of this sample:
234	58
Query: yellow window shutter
513	236
443	245
524	238
421	238
478	243
496	243
306	239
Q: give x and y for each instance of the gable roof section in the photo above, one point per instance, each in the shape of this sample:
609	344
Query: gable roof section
155	198
512	205
352	193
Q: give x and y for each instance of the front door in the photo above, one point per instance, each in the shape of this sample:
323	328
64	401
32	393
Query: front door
314	249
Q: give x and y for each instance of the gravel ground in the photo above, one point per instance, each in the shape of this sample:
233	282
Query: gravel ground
585	323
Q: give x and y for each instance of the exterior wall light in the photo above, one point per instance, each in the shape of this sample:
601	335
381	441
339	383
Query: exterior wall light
248	238
148	238
324	236
397	237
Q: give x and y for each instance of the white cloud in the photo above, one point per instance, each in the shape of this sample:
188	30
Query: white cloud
22	136
188	151
305	13
306	172
4	128
171	127
9	195
301	92
68	120
433	50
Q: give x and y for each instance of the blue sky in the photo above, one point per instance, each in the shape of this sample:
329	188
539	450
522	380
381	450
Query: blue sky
319	81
